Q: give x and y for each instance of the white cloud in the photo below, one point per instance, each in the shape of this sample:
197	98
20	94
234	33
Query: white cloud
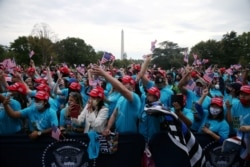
99	23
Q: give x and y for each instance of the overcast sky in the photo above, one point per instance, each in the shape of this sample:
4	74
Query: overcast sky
99	22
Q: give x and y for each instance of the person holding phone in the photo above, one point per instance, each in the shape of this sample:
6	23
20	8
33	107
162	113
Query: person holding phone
73	110
184	114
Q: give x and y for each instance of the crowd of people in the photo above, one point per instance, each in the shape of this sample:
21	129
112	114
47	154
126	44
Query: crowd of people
104	99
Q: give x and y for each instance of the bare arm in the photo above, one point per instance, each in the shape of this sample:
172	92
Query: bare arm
8	109
116	84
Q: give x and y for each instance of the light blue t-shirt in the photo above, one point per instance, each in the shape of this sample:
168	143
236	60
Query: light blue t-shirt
192	97
215	92
240	115
10	125
112	99
127	116
221	128
39	120
188	113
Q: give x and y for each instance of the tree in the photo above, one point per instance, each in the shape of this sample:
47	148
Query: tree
75	51
168	55
244	49
230	47
208	50
20	48
42	37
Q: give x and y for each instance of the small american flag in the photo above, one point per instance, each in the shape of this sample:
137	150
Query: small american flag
56	133
205	61
153	45
195	56
185	56
31	54
190	85
107	57
208	77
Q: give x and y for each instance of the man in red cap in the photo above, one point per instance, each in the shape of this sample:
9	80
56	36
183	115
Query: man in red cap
40	116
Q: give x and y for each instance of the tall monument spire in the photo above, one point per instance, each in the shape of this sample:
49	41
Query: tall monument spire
122	45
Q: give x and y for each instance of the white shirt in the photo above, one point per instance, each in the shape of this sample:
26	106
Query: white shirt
95	120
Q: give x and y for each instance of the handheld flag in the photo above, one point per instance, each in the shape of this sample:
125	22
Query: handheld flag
153	45
208	77
31	54
107	57
185	59
56	133
190	85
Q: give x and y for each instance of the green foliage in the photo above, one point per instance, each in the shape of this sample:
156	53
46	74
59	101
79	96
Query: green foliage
75	51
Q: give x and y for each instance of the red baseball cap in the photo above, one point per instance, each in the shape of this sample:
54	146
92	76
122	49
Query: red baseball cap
75	86
217	100
19	87
128	79
245	89
40	80
64	70
31	70
42	95
97	92
137	67
43	87
154	91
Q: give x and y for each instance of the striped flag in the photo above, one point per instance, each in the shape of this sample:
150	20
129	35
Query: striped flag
107	57
31	54
205	61
208	77
190	85
153	45
195	56
185	56
56	133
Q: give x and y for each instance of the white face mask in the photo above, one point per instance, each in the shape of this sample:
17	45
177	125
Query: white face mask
39	106
215	111
217	86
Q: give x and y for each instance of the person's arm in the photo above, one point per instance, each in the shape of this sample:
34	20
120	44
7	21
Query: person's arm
210	133
35	134
110	123
116	83
179	113
144	67
203	96
10	112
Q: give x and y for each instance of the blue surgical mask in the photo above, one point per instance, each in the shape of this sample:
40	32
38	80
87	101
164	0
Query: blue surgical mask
39	106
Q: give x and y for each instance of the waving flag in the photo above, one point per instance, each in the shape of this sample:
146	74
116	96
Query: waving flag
205	61
153	45
107	57
208	77
31	54
195	56
56	133
190	85
185	56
